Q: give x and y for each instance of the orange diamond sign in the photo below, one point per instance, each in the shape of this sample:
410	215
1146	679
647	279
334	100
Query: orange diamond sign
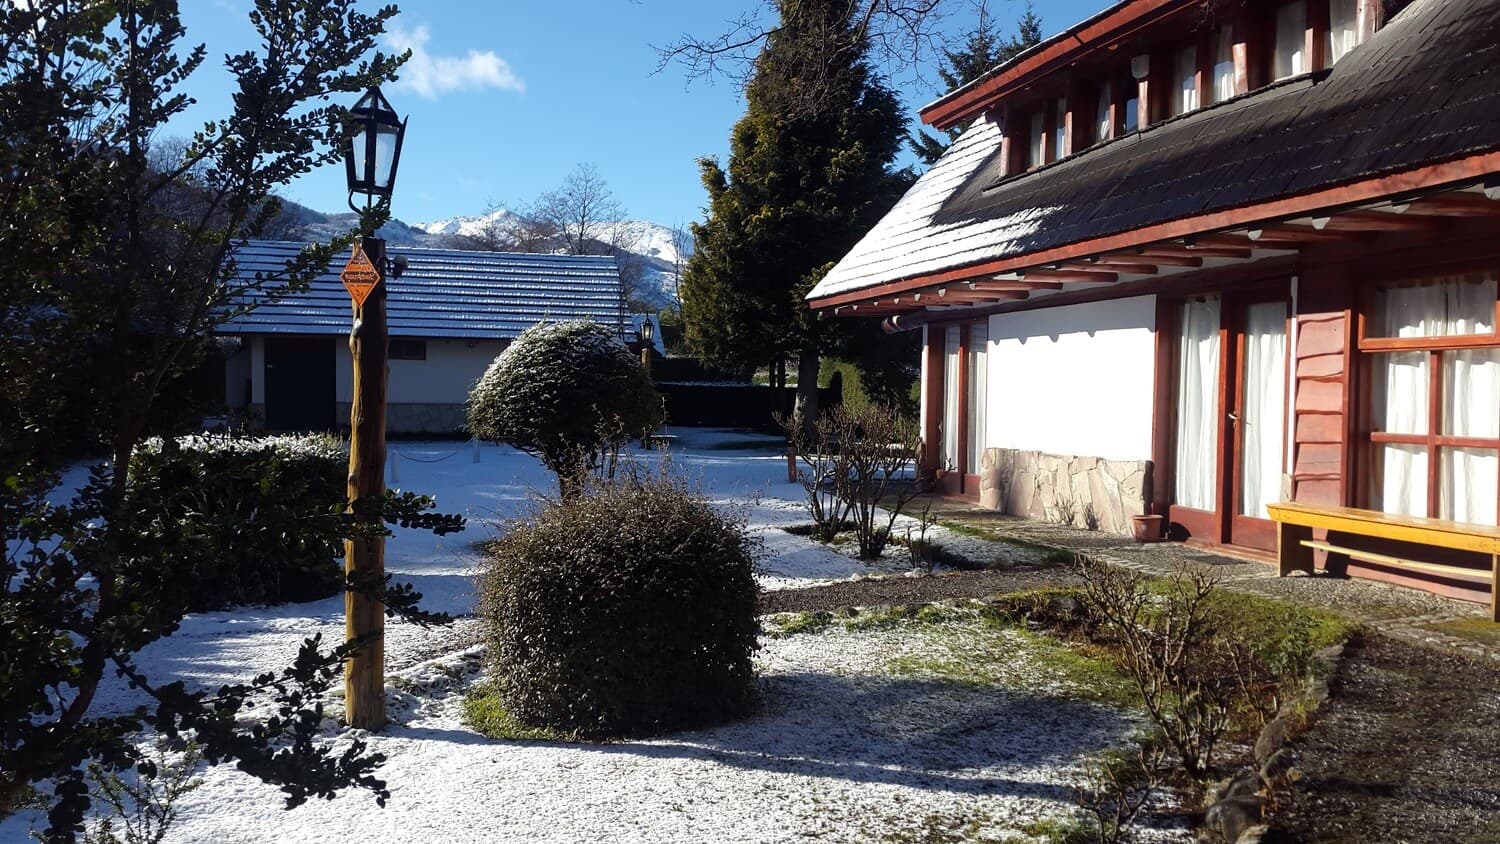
360	275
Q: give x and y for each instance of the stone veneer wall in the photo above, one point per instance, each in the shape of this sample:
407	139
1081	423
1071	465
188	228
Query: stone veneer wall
1088	492
415	418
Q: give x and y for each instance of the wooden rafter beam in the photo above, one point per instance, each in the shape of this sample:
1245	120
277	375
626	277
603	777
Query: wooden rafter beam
1122	258
1364	221
1085	276
1451	205
1283	233
1166	251
1013	286
959	293
1106	265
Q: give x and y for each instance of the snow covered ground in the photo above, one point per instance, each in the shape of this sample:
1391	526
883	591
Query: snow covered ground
844	751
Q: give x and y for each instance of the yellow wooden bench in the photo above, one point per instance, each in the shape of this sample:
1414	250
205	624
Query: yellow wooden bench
1295	544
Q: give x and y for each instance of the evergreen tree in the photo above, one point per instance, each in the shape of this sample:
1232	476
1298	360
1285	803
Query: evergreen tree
983	50
802	186
118	269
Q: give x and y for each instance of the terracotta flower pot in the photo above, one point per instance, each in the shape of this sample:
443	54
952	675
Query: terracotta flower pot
1146	528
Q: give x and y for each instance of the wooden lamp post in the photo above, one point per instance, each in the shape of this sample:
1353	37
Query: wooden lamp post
370	157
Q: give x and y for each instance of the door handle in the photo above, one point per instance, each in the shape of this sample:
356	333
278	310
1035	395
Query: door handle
1233	417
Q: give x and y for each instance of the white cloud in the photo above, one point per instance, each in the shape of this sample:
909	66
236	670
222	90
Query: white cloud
430	76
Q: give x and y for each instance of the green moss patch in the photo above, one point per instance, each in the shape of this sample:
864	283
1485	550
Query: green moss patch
1480	630
484	712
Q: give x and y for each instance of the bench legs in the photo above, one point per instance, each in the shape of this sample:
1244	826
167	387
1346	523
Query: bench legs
1291	554
1495	587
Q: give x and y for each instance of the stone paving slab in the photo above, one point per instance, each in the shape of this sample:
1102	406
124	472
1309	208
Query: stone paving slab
1400	612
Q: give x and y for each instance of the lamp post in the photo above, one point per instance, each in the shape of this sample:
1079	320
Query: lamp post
371	153
648	334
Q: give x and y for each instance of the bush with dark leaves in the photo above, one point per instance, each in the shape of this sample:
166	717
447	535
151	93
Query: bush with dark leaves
627	610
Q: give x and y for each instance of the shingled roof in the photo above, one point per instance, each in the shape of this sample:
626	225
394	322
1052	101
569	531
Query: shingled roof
442	293
1423	90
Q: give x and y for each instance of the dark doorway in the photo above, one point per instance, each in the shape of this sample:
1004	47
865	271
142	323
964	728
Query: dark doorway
300	383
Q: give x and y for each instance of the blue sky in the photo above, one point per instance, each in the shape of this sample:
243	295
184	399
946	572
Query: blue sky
506	98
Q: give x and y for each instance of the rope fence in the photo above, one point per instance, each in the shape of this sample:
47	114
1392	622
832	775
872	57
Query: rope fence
393	457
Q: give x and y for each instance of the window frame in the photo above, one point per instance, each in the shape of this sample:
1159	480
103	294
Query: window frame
1434	441
418	348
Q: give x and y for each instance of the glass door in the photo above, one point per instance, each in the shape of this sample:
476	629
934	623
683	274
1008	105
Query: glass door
1258	420
1195	499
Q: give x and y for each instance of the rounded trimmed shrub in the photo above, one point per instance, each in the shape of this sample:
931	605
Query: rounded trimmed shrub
564	392
240	520
629	610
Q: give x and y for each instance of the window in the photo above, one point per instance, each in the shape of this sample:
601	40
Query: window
1131	104
1060	128
948	454
1103	119
1434	366
1343	29
1223	61
978	348
1185	97
1036	154
403	349
1290	56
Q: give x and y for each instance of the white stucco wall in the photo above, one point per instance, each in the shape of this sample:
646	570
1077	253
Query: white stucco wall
444	377
1075	380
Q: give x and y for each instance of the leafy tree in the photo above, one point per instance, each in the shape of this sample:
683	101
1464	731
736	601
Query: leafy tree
800	189
983	50
119	263
901	34
569	393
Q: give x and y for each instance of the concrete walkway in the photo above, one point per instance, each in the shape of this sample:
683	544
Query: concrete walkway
1400	612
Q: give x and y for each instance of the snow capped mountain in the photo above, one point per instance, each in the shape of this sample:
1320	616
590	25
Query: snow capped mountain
651	254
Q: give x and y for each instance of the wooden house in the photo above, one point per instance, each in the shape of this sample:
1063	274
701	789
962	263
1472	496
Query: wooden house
450	313
1202	259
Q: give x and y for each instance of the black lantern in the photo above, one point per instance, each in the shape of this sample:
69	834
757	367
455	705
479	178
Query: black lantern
648	330
373	149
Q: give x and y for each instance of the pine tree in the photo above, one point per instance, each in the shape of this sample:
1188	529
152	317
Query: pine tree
983	50
802	186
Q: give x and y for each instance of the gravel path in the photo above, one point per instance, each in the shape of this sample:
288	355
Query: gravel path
1404	753
903	590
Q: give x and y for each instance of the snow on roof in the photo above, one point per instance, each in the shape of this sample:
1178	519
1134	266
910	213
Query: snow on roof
906	242
442	293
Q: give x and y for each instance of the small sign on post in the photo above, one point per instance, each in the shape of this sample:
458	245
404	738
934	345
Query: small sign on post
360	275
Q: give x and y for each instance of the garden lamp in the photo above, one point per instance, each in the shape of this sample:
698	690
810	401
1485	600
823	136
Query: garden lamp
373	149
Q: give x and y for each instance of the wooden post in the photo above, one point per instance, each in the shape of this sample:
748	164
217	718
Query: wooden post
364	673
1291	554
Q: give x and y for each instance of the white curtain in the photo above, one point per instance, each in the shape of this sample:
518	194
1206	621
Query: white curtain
1399	393
949	455
1186	98
1291	27
979	334
1224	63
1264	408
1343	29
1102	127
1470	401
1197	405
1060	128
1471	408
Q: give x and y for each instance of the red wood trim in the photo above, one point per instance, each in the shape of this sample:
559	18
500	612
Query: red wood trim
1434	426
1316	35
1350	450
1205	80
1198	524
1226	447
1049	132
1370	17
1447	342
1443	440
1429	176
1241	52
961	459
1008	140
1164	405
1091	36
1235	322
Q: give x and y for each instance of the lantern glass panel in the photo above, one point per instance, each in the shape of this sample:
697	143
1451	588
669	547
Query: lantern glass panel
360	148
385	156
